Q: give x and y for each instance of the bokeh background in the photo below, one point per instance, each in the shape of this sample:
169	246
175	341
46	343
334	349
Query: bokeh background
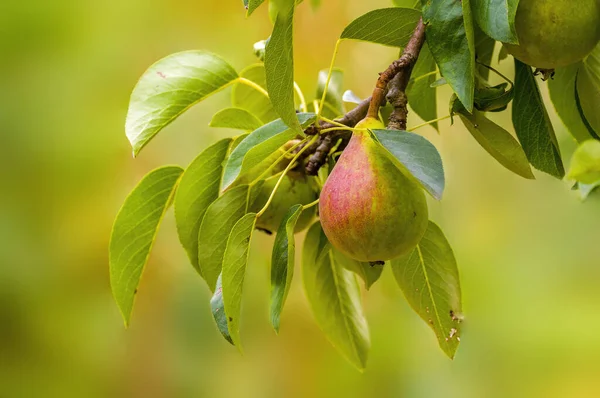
528	251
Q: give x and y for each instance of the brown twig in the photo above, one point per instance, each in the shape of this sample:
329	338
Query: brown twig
395	78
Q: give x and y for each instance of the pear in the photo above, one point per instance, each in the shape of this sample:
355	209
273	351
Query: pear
555	33
292	190
371	208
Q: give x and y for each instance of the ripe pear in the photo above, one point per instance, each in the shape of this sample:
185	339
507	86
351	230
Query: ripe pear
292	190
555	33
371	208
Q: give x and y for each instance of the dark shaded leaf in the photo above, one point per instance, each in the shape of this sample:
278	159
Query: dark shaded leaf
282	263
421	97
532	124
450	37
279	66
250	99
588	89
497	18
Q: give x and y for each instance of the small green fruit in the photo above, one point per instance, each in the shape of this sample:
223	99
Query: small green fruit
291	191
371	209
555	33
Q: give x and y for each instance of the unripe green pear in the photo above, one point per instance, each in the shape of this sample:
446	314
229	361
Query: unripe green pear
371	208
555	33
291	191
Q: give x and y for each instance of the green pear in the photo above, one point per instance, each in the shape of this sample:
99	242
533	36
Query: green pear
292	190
555	33
371	208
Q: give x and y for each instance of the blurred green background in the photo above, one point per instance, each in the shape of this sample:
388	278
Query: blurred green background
528	251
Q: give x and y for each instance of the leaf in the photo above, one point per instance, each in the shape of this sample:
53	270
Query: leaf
169	87
450	37
369	273
218	220
497	18
134	232
562	93
235	260
585	164
282	263
387	26
498	143
252	5
258	145
588	89
235	118
418	155
218	310
484	50
586	189
334	103
334	297
279	66
493	99
198	188
250	99
421	97
532	124
428	277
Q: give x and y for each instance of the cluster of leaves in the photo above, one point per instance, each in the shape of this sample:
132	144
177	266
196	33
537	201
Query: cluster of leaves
213	197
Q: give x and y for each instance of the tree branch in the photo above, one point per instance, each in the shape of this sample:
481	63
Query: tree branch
395	78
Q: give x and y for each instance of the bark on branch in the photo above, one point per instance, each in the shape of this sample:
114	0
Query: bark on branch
391	84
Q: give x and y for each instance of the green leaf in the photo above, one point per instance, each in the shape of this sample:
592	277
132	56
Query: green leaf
450	37
484	50
334	297
282	263
252	5
235	260
562	93
369	273
334	103
134	232
428	277
218	220
235	118
171	86
387	26
498	143
198	188
532	124
497	18
416	4
493	99
218	310
259	145
585	164
588	89
421	97
418	155
279	66
250	99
